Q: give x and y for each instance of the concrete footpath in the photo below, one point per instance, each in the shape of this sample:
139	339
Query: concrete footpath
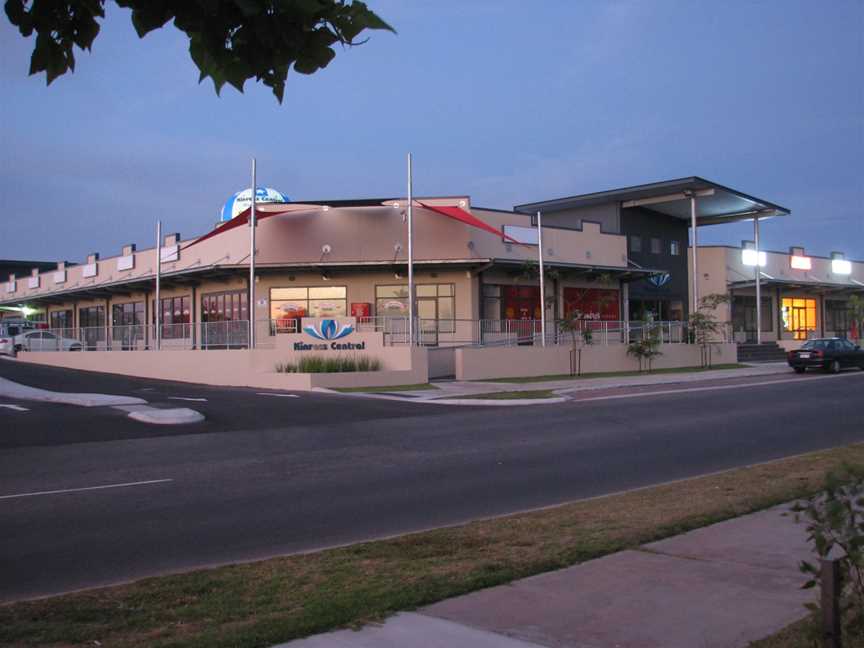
454	389
722	586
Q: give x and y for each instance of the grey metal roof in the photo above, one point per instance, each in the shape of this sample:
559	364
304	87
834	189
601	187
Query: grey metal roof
715	202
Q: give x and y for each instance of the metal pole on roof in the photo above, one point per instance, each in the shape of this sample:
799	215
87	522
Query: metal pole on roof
542	277
157	314
252	225
758	281
695	244
410	251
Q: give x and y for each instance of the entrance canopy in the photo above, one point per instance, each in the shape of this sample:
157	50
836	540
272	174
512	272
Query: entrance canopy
715	203
823	287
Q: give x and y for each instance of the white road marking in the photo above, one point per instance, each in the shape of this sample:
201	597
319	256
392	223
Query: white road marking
765	383
86	488
185	398
17	408
279	395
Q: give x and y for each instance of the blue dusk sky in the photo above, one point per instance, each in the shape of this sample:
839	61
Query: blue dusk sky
505	100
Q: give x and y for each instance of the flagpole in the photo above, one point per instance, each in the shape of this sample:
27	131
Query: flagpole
542	278
410	252
252	225
157	314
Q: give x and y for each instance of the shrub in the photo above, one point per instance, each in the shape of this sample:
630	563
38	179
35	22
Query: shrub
835	527
329	364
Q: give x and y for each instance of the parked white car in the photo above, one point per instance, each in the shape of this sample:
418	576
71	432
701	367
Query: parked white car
9	330
44	341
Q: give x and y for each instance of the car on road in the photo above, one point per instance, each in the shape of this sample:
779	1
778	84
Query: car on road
40	340
830	354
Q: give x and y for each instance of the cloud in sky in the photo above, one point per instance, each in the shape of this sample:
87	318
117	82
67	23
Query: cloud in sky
501	100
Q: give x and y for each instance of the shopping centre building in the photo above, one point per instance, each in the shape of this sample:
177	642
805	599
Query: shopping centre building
612	260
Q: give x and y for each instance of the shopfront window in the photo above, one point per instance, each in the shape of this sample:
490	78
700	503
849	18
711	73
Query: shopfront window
224	307
175	315
434	302
591	304
491	302
799	316
60	319
289	305
127	324
838	317
91	319
744	315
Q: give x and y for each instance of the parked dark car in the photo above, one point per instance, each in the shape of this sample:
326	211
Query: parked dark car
830	354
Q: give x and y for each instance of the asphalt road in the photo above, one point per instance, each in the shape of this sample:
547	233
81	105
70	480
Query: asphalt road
267	475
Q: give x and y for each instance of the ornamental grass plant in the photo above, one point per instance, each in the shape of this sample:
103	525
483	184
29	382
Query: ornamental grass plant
334	364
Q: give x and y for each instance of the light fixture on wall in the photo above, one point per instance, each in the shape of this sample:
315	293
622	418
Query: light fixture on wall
797	259
839	264
749	256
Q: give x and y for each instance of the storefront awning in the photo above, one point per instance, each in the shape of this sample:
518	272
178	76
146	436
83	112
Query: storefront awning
815	286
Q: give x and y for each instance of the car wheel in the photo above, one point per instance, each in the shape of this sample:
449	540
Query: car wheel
834	367
800	369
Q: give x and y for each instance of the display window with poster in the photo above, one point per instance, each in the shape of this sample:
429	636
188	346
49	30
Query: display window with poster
599	304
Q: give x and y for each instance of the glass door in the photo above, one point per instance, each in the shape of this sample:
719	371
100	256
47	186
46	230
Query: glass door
427	313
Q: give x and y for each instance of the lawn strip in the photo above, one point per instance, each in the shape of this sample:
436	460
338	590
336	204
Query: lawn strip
612	374
394	388
264	603
510	395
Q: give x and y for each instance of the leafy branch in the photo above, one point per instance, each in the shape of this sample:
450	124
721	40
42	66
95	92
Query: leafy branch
231	41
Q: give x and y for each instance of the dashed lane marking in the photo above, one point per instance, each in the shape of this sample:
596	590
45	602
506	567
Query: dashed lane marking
278	395
186	398
86	488
17	408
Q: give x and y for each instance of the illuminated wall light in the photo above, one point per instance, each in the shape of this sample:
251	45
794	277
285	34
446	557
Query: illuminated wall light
800	263
841	266
749	258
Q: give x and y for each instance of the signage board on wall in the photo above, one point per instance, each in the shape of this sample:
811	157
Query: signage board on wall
327	335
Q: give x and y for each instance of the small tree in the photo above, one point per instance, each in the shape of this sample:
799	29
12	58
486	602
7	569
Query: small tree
705	327
835	528
856	314
648	347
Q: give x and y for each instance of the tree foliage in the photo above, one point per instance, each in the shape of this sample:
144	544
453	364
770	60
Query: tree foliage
231	41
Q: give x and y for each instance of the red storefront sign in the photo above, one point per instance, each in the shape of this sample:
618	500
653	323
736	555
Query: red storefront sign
592	304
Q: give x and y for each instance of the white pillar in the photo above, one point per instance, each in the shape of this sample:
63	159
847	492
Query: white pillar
157	314
695	245
410	252
758	281
252	226
542	277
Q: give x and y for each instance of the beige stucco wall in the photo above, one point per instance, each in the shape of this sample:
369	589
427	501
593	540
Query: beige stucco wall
239	368
491	363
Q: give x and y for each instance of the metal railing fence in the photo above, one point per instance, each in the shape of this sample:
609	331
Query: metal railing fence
234	334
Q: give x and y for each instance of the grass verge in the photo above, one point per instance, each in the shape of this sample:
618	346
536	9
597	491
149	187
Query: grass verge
511	395
264	603
614	374
805	633
394	388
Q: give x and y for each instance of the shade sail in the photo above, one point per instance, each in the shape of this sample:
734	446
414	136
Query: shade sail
260	214
459	214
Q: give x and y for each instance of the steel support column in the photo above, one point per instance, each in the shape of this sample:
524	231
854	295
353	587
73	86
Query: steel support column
758	281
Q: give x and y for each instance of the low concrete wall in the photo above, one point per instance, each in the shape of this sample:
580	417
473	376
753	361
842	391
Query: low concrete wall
239	368
442	362
489	363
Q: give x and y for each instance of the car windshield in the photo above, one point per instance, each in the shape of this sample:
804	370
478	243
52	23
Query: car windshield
813	344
